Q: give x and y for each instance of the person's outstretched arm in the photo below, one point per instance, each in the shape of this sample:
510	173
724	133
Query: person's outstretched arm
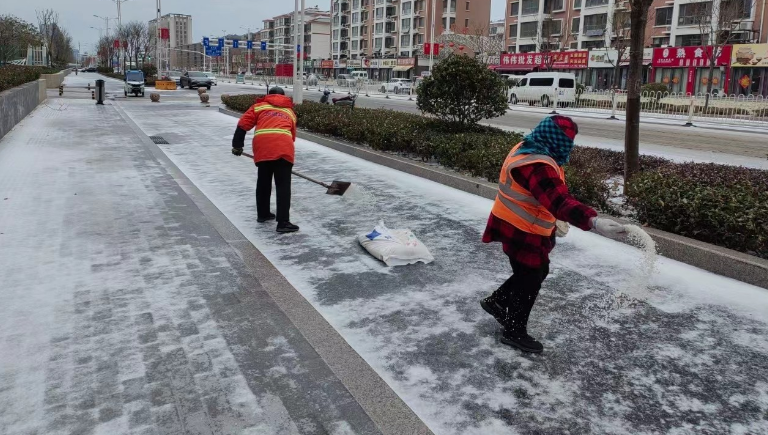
247	122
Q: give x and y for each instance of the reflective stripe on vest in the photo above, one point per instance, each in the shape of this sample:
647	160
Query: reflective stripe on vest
273	131
285	110
516	205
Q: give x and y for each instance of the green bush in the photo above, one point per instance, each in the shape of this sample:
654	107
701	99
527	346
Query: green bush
731	215
462	91
240	103
149	70
14	75
654	88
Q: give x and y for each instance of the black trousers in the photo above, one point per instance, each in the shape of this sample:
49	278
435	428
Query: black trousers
280	171
519	293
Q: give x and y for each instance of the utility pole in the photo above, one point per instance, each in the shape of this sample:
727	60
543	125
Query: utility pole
298	52
157	40
432	36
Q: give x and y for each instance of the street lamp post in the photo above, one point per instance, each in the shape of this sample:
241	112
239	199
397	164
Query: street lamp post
299	40
432	36
158	34
119	28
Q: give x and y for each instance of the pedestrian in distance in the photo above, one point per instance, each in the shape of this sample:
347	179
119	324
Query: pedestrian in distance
273	153
532	206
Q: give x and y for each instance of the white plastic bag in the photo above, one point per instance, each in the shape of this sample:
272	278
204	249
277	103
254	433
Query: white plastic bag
395	247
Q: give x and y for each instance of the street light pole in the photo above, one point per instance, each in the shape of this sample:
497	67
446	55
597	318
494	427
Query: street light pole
157	39
432	36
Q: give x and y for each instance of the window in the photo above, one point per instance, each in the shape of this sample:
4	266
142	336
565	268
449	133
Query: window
591	3
514	9
664	16
466	23
379	13
355	32
594	25
379	29
511	49
691	13
335	46
688	40
574	45
552	5
405	24
467	6
355	17
527	48
551	28
566	83
407	8
577	4
405	40
523	82
530	7
377	43
355	4
529	29
590	45
335	34
513	31
355	45
541	81
661	41
575	25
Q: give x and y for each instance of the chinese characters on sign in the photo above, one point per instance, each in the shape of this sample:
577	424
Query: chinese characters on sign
683	57
558	60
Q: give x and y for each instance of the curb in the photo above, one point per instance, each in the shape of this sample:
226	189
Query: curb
722	261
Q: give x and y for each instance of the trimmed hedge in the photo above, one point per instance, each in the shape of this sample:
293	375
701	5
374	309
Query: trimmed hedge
719	204
15	75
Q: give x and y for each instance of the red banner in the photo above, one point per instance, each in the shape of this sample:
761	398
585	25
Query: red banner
326	64
165	34
683	57
284	70
434	49
559	60
116	44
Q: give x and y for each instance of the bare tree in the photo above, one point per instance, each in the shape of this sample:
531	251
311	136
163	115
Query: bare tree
716	21
47	21
475	41
638	18
555	36
620	34
15	36
146	43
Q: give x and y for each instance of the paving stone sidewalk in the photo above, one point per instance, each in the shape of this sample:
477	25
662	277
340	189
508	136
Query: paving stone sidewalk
125	312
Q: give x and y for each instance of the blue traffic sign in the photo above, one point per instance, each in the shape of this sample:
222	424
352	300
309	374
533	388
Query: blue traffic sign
298	48
249	45
206	41
213	51
221	42
235	43
263	45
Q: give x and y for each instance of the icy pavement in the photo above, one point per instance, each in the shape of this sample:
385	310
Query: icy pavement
123	311
688	357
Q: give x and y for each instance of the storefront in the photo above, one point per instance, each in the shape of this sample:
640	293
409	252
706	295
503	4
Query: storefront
686	69
749	68
326	68
404	68
381	69
602	68
575	62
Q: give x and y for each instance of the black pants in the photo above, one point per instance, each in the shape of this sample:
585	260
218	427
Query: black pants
519	293
280	170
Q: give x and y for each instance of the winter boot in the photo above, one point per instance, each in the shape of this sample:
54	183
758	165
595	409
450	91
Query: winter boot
495	305
267	218
522	341
286	227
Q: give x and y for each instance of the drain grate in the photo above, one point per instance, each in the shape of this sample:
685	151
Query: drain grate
159	140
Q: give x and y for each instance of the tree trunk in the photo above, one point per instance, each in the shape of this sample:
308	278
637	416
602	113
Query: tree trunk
638	19
709	85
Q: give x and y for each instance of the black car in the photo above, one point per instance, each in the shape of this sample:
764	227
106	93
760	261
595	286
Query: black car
90	69
195	79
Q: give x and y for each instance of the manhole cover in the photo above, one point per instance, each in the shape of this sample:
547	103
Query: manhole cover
159	140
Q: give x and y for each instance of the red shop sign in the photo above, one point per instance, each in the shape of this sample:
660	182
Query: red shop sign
326	64
683	57
165	33
528	61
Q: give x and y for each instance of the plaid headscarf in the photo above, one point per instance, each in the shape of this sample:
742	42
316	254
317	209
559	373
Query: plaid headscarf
553	137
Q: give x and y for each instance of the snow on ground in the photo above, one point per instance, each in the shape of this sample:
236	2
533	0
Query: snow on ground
687	357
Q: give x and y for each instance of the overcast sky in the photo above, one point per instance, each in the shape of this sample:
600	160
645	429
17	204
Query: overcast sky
209	17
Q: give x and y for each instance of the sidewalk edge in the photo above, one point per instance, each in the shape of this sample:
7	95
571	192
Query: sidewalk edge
386	409
712	258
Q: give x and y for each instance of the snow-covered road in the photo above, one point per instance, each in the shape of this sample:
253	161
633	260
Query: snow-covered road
689	356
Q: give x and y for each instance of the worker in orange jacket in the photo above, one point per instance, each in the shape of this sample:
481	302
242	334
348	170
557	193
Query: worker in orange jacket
273	152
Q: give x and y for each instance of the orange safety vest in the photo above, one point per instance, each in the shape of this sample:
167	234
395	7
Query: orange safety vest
516	205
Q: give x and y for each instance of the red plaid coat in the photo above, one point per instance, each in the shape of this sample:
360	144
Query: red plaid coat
545	185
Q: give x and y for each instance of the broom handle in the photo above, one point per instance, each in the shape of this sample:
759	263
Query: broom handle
300	175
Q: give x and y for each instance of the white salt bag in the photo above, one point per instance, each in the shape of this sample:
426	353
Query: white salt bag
395	247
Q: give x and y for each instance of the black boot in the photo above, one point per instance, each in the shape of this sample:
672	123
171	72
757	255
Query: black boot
495	305
522	341
286	227
267	218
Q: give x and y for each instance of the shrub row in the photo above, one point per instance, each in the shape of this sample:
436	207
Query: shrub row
718	204
15	75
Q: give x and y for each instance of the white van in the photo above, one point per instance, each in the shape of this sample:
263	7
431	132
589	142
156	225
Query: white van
541	87
360	75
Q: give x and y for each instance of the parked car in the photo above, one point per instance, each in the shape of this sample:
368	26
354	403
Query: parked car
542	87
212	76
195	79
397	86
91	69
134	83
345	80
175	76
315	79
360	75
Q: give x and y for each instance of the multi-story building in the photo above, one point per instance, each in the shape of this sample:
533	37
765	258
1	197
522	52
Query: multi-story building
280	30
399	28
179	34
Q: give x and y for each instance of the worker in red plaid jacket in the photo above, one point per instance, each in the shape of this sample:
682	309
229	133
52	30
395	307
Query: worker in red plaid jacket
532	206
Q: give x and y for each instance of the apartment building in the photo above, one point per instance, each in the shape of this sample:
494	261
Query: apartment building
179	31
280	30
399	28
593	24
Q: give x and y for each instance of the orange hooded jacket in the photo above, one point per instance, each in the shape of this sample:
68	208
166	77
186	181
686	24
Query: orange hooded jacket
275	124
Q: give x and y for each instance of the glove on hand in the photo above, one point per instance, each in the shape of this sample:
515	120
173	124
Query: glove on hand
607	227
237	151
562	228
